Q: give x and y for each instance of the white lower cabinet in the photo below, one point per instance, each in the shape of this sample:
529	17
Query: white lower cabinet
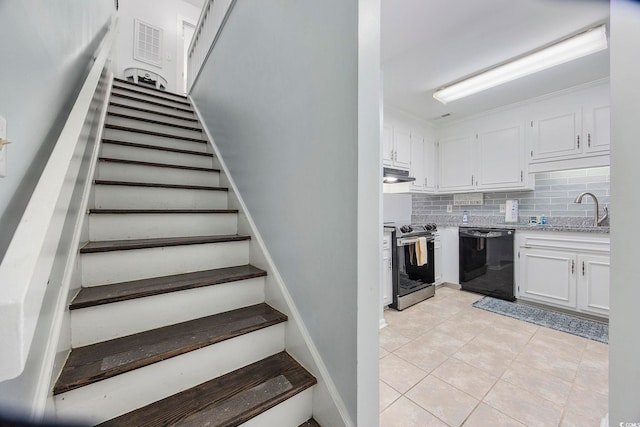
437	259
387	274
567	270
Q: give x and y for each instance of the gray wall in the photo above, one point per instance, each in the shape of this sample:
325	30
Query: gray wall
624	344
46	50
280	96
553	196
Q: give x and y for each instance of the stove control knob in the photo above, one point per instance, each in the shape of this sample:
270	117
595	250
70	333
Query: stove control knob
406	229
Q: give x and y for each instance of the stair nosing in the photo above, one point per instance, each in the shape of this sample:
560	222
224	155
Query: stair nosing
155	147
159	185
131	107
157	122
142	288
158	165
153	133
231	388
136	339
133	98
134	244
131	89
118	79
162	211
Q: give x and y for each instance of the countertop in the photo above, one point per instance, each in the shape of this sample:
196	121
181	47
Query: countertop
538	227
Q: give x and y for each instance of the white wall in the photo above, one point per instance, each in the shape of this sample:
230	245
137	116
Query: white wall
280	96
43	68
159	13
624	344
397	208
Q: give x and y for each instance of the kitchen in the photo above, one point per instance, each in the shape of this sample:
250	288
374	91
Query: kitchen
533	145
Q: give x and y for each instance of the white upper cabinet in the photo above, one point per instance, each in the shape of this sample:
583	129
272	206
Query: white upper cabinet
396	145
501	163
429	165
570	131
457	159
417	162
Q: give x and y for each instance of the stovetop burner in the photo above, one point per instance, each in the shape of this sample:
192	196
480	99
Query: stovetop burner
416	229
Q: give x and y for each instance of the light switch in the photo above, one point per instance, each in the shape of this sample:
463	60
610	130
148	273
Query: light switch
3	151
449	208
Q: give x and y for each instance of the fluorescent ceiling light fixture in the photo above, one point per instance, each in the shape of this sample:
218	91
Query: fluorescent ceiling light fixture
583	44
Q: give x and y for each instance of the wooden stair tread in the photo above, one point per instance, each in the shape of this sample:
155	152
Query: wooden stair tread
124	245
146	101
136	89
160	165
98	295
162	211
157	122
131	107
154	133
155	147
119	80
96	362
160	185
310	423
229	400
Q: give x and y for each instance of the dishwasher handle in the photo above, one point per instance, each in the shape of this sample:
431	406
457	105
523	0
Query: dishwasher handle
485	234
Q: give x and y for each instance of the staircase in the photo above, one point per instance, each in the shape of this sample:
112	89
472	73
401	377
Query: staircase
171	325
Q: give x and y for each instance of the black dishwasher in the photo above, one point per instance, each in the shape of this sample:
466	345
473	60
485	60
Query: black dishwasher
486	261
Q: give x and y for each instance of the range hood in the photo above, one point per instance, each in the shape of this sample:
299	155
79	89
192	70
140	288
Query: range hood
396	176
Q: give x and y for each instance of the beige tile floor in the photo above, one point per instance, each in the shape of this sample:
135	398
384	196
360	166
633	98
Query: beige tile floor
445	363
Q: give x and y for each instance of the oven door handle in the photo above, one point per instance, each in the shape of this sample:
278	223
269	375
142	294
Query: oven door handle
405	242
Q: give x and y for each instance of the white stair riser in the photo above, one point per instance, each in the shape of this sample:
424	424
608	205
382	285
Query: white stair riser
104	322
152	107
154	127
152	116
106	399
156	141
122	266
139	88
123	152
290	413
127	197
113	171
151	225
143	97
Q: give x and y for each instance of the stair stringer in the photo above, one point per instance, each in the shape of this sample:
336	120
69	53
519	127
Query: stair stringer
328	407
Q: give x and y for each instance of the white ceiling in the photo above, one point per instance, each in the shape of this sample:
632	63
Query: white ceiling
426	44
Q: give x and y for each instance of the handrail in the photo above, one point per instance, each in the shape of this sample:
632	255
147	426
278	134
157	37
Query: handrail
25	268
213	16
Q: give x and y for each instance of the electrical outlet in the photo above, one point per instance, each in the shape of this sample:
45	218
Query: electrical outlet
503	208
449	208
3	149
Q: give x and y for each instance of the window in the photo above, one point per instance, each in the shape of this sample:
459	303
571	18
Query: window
147	43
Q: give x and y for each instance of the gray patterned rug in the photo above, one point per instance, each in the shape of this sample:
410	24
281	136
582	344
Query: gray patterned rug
590	329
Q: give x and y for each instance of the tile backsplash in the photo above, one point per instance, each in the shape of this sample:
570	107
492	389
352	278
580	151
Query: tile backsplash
553	196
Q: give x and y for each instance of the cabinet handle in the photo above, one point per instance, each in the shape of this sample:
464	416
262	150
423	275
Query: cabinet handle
472	179
588	140
578	138
425	182
521	176
583	268
573	266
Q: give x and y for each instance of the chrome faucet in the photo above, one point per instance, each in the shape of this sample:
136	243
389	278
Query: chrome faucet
596	221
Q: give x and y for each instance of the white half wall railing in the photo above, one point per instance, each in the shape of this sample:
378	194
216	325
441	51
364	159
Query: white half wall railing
213	16
26	266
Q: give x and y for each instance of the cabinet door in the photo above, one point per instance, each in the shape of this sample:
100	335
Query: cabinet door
548	276
387	145
429	164
597	128
556	135
593	284
500	158
387	281
437	259
402	147
417	159
457	164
